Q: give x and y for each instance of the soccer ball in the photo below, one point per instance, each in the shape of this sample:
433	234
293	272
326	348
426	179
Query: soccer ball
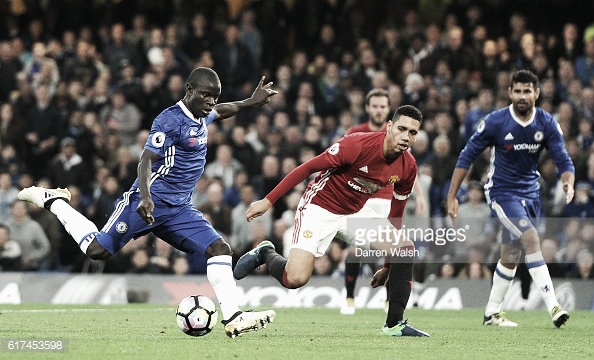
196	315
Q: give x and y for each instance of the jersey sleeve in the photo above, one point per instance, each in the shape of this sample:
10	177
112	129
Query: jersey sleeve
402	191
481	139
335	156
556	148
164	133
343	152
210	117
403	188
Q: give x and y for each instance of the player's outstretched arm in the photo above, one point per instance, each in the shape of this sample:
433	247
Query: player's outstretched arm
145	206
261	96
452	202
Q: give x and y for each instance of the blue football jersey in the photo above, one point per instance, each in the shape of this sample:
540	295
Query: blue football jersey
515	148
180	140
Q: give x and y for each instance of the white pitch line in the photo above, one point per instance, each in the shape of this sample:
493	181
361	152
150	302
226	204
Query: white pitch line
79	310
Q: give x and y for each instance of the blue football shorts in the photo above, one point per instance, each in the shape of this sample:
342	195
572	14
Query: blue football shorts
182	226
516	216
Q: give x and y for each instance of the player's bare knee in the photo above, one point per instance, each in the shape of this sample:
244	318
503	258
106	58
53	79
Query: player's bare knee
530	241
297	280
219	247
96	252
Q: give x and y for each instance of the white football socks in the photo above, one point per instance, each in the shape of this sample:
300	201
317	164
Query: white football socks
540	275
502	281
78	226
220	276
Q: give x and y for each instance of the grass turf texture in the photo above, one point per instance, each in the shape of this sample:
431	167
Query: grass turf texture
150	332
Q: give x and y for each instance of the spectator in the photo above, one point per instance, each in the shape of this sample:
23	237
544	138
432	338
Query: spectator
29	235
10	65
550	249
474	216
584	65
474	270
233	63
117	50
42	69
232	196
121	117
219	212
68	167
8	195
243	150
584	265
225	167
10	251
41	134
241	230
82	67
199	39
475	115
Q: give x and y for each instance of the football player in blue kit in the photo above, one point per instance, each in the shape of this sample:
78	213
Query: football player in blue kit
516	135
159	201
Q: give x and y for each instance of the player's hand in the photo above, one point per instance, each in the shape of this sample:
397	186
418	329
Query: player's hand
452	204
262	93
145	210
380	277
257	208
568	188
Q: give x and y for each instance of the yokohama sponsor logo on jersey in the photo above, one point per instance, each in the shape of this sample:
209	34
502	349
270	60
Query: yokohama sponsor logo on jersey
529	147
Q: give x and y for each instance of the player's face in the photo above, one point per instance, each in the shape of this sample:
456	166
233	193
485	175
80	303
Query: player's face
523	97
378	109
202	97
401	134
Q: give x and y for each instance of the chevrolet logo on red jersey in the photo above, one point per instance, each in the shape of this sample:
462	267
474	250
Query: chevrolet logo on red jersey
393	179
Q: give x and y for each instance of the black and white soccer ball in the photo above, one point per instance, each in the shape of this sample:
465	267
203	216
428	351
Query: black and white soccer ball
196	315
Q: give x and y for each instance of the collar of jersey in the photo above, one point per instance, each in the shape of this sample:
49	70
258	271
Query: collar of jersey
517	119
187	112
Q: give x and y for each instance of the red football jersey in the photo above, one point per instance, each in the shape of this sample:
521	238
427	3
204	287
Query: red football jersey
357	170
385	192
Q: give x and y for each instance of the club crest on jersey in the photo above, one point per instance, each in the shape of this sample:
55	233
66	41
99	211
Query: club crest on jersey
307	234
121	227
158	139
538	136
393	179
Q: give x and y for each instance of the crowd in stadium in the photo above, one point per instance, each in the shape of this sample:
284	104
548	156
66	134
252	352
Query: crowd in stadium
80	86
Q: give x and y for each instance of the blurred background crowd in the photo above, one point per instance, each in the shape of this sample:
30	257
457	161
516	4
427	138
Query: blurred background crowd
81	82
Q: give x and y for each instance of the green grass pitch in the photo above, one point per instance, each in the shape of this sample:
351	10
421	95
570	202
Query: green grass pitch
150	332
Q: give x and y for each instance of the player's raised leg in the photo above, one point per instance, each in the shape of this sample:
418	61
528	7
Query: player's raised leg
291	273
220	276
82	230
540	275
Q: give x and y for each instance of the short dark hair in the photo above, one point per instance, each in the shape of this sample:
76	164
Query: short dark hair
202	74
410	111
524	76
377	92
